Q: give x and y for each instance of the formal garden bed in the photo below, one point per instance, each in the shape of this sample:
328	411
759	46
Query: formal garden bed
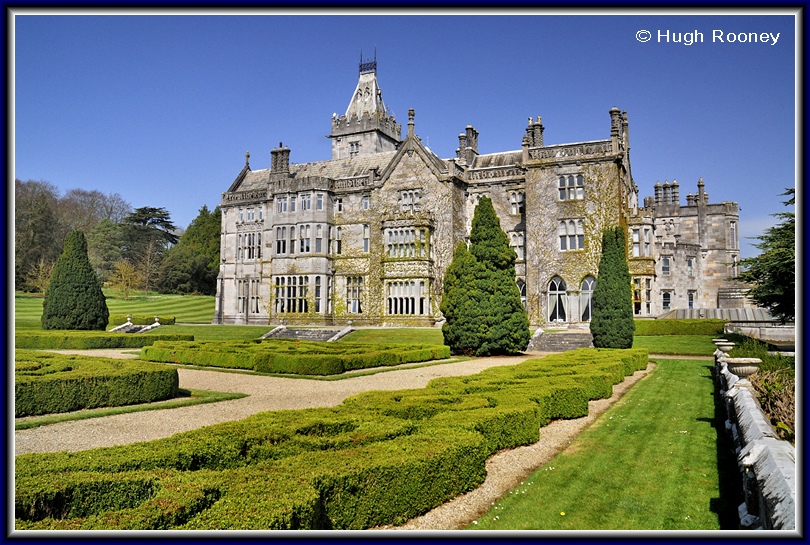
46	383
379	458
291	356
88	340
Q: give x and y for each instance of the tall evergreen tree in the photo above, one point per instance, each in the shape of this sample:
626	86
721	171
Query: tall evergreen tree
192	265
74	299
612	324
773	272
481	303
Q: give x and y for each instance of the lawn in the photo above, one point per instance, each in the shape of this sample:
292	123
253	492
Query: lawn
649	463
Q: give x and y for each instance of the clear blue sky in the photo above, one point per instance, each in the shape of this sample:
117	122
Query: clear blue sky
161	109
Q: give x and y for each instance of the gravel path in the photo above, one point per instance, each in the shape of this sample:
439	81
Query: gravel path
505	470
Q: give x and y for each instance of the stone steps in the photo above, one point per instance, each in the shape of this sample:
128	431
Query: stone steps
321	335
560	341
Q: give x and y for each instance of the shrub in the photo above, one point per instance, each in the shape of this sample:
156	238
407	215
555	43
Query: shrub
612	324
680	327
88	340
74	299
46	383
140	319
481	302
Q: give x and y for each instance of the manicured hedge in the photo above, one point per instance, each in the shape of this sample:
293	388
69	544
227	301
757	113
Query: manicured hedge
88	340
291	356
380	458
711	327
139	319
47	383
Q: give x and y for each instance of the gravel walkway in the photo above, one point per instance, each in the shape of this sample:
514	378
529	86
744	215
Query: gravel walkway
505	470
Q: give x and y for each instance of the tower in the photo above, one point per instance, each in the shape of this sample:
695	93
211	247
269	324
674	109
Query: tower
366	128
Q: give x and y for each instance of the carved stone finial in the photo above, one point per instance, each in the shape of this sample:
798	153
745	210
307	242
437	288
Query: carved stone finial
247	158
411	115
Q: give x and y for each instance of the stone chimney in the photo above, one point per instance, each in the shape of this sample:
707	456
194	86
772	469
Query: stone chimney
280	159
657	192
676	199
615	127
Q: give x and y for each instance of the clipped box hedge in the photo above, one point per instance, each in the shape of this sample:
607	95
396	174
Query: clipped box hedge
290	356
712	327
88	340
379	458
139	319
47	383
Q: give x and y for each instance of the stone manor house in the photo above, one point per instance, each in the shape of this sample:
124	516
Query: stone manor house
366	236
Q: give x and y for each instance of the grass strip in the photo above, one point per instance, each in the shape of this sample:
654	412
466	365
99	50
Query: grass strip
648	463
188	398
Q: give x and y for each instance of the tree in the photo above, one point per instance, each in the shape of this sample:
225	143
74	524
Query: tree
147	233
612	324
40	276
773	272
104	243
481	303
74	299
38	234
125	278
192	265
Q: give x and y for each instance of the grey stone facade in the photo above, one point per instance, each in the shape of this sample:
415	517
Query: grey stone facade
366	236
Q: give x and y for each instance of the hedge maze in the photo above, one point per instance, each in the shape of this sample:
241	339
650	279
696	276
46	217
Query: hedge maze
379	458
290	356
46	383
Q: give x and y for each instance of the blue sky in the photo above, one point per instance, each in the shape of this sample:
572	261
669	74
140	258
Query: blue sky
161	109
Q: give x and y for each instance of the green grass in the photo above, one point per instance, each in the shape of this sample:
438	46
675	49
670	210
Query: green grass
396	335
188	398
682	345
185	308
649	463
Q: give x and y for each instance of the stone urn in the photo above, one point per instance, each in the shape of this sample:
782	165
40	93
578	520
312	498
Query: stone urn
725	346
743	367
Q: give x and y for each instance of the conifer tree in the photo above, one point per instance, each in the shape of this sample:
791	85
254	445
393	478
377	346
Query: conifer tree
481	300
74	299
612	324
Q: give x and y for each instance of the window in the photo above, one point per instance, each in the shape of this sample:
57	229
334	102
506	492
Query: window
571	187
354	149
317	294
647	240
318	239
293	238
306	234
517	242
365	238
557	300
637	296
666	300
339	204
249	246
337	240
319	201
261	213
410	201
522	289
406	242
734	266
241	215
690	266
291	294
732	235
572	235
354	294
648	293
292	203
306	202
516	202
366	200
586	299
641	242
406	297
690	298
281	204
665	266
281	240
636	243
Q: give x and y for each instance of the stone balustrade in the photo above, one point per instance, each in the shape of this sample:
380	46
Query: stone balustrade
767	464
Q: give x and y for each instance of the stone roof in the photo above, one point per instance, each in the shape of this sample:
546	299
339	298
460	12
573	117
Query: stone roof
504	158
728	314
343	168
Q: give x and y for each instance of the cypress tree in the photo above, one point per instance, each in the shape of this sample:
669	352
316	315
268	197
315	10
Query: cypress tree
74	299
612	324
481	300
